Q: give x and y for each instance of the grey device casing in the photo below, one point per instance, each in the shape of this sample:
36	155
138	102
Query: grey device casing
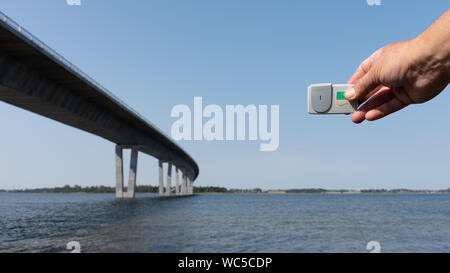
327	98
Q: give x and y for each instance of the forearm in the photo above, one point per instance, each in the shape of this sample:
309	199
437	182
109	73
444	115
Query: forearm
434	44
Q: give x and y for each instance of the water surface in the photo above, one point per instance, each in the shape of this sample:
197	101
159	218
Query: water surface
225	223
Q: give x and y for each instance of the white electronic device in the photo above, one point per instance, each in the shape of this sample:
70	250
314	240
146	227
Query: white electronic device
327	98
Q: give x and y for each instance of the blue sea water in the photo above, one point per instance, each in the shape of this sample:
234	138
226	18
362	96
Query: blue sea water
225	223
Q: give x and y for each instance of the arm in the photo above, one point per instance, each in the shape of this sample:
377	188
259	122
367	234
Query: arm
403	73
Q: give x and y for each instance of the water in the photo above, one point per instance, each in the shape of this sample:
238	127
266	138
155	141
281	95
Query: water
225	223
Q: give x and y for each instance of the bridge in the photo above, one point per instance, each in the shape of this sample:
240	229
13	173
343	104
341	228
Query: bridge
36	78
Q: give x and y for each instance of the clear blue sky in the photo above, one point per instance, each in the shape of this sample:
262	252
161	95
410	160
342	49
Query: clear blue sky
156	54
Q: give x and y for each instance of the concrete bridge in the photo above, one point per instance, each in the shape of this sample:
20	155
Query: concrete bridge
36	78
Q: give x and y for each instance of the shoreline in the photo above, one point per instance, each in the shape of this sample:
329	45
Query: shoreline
149	189
242	193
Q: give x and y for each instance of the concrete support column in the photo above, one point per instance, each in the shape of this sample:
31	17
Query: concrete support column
177	182
191	186
161	182
131	190
183	185
188	186
169	179
119	171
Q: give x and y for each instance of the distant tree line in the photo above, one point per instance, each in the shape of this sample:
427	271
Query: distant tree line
206	189
80	189
404	191
306	191
211	189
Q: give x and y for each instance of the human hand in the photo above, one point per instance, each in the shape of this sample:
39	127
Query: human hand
402	73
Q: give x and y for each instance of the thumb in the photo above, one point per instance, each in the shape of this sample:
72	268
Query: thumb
367	83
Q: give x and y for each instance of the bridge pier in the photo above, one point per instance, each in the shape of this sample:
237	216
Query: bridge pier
183	189
131	190
190	186
183	184
119	171
187	185
169	179
161	182
177	183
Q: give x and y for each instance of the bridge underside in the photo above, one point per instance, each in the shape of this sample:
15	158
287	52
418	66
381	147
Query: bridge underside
28	89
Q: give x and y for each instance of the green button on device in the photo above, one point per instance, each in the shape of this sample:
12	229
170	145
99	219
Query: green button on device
340	95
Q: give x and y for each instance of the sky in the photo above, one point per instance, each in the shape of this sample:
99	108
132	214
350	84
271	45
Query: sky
160	53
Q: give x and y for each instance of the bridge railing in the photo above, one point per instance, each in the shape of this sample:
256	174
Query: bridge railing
71	67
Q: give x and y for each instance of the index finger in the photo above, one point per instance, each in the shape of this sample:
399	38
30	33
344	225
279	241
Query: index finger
364	67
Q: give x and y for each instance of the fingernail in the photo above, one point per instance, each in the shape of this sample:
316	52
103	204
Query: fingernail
350	93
